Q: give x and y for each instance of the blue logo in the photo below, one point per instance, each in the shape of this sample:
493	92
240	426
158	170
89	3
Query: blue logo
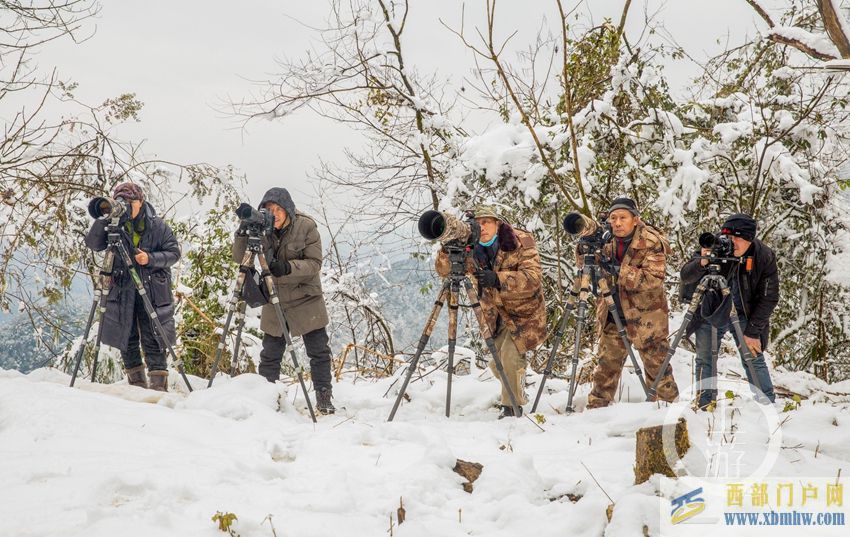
687	506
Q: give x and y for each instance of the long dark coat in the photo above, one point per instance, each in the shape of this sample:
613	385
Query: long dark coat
163	251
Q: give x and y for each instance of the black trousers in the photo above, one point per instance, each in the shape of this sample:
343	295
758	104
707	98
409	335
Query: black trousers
318	350
142	332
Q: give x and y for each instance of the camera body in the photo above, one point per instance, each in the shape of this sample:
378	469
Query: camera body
256	223
720	245
449	230
592	235
103	207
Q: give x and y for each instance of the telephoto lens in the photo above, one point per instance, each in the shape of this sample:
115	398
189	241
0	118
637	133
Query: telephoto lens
100	207
443	227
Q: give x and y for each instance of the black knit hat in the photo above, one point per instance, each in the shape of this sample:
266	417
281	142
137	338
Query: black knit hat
740	225
624	203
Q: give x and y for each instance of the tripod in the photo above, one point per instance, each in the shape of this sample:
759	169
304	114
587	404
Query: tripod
712	280
115	244
451	289
588	280
253	250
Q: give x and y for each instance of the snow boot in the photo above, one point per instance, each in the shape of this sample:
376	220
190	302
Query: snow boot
323	401
159	380
136	376
508	412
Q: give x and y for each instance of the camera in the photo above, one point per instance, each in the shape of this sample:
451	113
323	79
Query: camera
449	230
720	244
100	207
255	222
592	234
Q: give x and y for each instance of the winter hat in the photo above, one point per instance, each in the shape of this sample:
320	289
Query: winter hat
128	191
740	225
624	203
488	211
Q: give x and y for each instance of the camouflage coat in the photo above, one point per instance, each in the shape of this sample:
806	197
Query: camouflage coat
641	285
519	300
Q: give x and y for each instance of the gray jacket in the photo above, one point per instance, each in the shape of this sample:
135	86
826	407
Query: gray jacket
300	292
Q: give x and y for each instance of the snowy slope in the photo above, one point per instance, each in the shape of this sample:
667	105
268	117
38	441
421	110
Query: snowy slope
118	460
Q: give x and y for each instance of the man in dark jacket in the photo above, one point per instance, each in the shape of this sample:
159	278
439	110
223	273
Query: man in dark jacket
294	254
755	293
126	324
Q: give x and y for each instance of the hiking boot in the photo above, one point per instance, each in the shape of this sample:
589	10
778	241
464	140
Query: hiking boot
136	376
159	380
508	412
323	401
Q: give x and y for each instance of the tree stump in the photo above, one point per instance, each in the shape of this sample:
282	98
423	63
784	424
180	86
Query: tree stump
651	454
469	470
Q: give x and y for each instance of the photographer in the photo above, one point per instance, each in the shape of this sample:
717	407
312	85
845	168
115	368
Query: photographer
125	322
755	293
294	253
638	257
507	270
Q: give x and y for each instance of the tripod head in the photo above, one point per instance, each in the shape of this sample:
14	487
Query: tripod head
458	254
255	243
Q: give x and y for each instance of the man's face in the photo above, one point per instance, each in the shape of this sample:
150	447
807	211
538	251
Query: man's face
623	222
740	245
489	227
135	207
278	212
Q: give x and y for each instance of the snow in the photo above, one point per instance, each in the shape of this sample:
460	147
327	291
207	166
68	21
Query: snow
103	460
819	42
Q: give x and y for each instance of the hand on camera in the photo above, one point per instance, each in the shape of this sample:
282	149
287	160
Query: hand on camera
280	268
488	278
704	252
609	266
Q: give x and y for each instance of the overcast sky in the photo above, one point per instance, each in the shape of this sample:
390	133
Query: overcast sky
183	58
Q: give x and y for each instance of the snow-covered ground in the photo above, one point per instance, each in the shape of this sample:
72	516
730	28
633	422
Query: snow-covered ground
100	460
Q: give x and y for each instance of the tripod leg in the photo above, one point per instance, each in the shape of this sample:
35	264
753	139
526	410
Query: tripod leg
159	332
715	351
746	355
84	343
231	308
423	340
281	318
453	298
581	316
99	338
605	291
689	314
491	344
559	334
98	308
240	324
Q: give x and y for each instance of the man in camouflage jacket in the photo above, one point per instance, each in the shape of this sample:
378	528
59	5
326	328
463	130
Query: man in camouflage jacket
638	256
508	277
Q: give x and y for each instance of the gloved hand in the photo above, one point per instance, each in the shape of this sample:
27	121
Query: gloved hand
610	266
488	278
280	268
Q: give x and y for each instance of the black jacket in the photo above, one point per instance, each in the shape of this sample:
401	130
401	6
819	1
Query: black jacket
163	251
759	289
